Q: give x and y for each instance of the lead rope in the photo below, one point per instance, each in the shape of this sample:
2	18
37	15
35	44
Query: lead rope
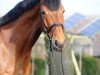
51	49
52	57
50	39
62	63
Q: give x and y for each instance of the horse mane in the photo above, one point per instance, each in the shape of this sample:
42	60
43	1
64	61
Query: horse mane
52	4
17	11
24	6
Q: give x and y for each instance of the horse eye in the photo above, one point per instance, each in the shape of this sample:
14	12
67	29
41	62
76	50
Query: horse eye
43	12
63	11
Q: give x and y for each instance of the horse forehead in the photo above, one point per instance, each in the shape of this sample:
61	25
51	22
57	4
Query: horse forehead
45	8
53	13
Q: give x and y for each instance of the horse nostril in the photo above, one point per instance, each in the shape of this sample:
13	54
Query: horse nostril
58	44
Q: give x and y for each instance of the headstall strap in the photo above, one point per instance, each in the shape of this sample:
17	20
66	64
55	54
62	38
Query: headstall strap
47	29
54	25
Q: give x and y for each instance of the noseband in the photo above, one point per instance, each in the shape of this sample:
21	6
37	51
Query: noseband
45	29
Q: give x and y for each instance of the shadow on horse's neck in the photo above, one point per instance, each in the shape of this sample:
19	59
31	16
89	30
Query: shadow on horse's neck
26	29
18	37
29	30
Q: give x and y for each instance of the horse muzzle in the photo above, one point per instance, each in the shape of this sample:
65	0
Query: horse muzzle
56	45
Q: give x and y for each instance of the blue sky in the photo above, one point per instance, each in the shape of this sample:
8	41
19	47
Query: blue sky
85	7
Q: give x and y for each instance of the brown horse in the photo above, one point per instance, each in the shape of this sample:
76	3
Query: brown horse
20	29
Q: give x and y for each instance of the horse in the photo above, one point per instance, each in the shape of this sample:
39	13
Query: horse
21	27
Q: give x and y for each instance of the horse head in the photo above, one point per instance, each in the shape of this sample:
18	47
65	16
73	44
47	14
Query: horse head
52	20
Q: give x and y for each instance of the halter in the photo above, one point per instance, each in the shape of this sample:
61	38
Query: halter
47	30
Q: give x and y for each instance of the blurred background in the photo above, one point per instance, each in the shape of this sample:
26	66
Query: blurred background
82	31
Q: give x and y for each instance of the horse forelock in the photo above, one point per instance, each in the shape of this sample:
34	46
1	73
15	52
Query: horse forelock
52	4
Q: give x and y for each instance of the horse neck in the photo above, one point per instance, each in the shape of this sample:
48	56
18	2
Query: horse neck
22	29
17	39
22	33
